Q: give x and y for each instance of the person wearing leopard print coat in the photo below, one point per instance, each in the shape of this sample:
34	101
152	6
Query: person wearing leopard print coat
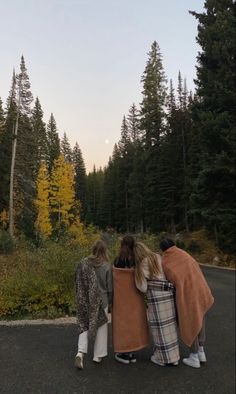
93	296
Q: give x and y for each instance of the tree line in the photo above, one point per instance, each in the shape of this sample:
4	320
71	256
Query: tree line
171	170
174	166
36	165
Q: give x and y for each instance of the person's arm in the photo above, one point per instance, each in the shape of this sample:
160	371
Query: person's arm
142	286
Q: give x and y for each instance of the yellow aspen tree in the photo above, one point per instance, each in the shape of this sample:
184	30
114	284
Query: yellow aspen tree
4	219
43	223
62	192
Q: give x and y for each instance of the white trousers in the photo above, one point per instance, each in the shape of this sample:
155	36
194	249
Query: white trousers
100	344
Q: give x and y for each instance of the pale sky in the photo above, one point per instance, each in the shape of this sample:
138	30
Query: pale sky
85	59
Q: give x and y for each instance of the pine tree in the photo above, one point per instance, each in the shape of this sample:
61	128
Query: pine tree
62	193
2	120
6	146
125	139
135	181
43	223
23	83
66	148
213	196
80	178
174	196
108	212
169	166
23	176
123	164
94	186
39	132
133	121
136	190
152	125
53	142
2	157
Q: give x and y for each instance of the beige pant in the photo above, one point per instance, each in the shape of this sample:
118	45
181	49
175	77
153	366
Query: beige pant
100	344
200	340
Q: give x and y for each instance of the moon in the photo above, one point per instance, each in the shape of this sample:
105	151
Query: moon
106	141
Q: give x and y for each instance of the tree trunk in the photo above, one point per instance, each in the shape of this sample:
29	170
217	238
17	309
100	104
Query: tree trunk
13	159
126	207
185	183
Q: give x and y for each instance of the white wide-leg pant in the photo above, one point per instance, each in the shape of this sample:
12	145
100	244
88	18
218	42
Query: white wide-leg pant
100	344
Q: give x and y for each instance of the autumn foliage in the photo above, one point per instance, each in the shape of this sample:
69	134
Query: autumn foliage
55	197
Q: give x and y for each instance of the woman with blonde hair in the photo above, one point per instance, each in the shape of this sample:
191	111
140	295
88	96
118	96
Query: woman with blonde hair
93	296
150	279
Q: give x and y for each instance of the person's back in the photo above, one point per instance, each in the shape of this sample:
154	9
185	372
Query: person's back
103	272
129	321
193	298
150	279
93	291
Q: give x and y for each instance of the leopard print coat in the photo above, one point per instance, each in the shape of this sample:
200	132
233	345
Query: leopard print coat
90	312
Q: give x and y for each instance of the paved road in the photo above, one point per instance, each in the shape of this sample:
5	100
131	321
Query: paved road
40	359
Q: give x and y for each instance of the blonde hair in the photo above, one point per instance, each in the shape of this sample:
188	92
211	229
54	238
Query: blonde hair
141	253
99	252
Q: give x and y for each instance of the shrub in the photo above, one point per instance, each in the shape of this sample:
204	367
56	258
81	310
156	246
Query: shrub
7	244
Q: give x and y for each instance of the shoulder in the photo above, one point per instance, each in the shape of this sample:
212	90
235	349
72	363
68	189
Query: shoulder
106	265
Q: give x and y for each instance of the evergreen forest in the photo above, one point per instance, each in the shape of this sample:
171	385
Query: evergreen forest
172	170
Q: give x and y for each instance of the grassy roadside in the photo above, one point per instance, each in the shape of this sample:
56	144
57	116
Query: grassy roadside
38	282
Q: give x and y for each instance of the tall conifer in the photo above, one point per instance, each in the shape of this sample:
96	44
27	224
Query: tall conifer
213	195
39	131
6	146
80	178
152	125
66	148
53	142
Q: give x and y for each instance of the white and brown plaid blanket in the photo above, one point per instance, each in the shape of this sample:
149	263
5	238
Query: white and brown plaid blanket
162	320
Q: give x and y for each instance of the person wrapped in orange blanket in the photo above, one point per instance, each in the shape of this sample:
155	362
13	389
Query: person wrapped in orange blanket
193	298
130	329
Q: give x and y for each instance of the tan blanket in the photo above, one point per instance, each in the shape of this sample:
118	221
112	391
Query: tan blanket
193	295
129	319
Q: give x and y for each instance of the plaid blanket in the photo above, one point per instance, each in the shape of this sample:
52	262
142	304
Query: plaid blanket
162	320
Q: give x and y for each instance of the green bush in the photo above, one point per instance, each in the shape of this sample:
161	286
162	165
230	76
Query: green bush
7	244
40	283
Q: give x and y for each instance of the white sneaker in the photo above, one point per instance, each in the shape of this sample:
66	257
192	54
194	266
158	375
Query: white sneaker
202	356
192	360
97	359
79	358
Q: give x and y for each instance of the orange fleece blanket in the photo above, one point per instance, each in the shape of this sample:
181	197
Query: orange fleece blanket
193	295
130	329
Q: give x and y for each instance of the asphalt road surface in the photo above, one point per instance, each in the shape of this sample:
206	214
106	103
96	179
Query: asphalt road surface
40	359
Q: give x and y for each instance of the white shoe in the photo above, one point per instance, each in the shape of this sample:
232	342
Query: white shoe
192	360
79	358
202	356
97	359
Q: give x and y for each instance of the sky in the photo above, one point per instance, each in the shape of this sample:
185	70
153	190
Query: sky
85	59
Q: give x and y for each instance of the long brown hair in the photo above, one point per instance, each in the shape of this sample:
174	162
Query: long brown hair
99	252
143	253
127	248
